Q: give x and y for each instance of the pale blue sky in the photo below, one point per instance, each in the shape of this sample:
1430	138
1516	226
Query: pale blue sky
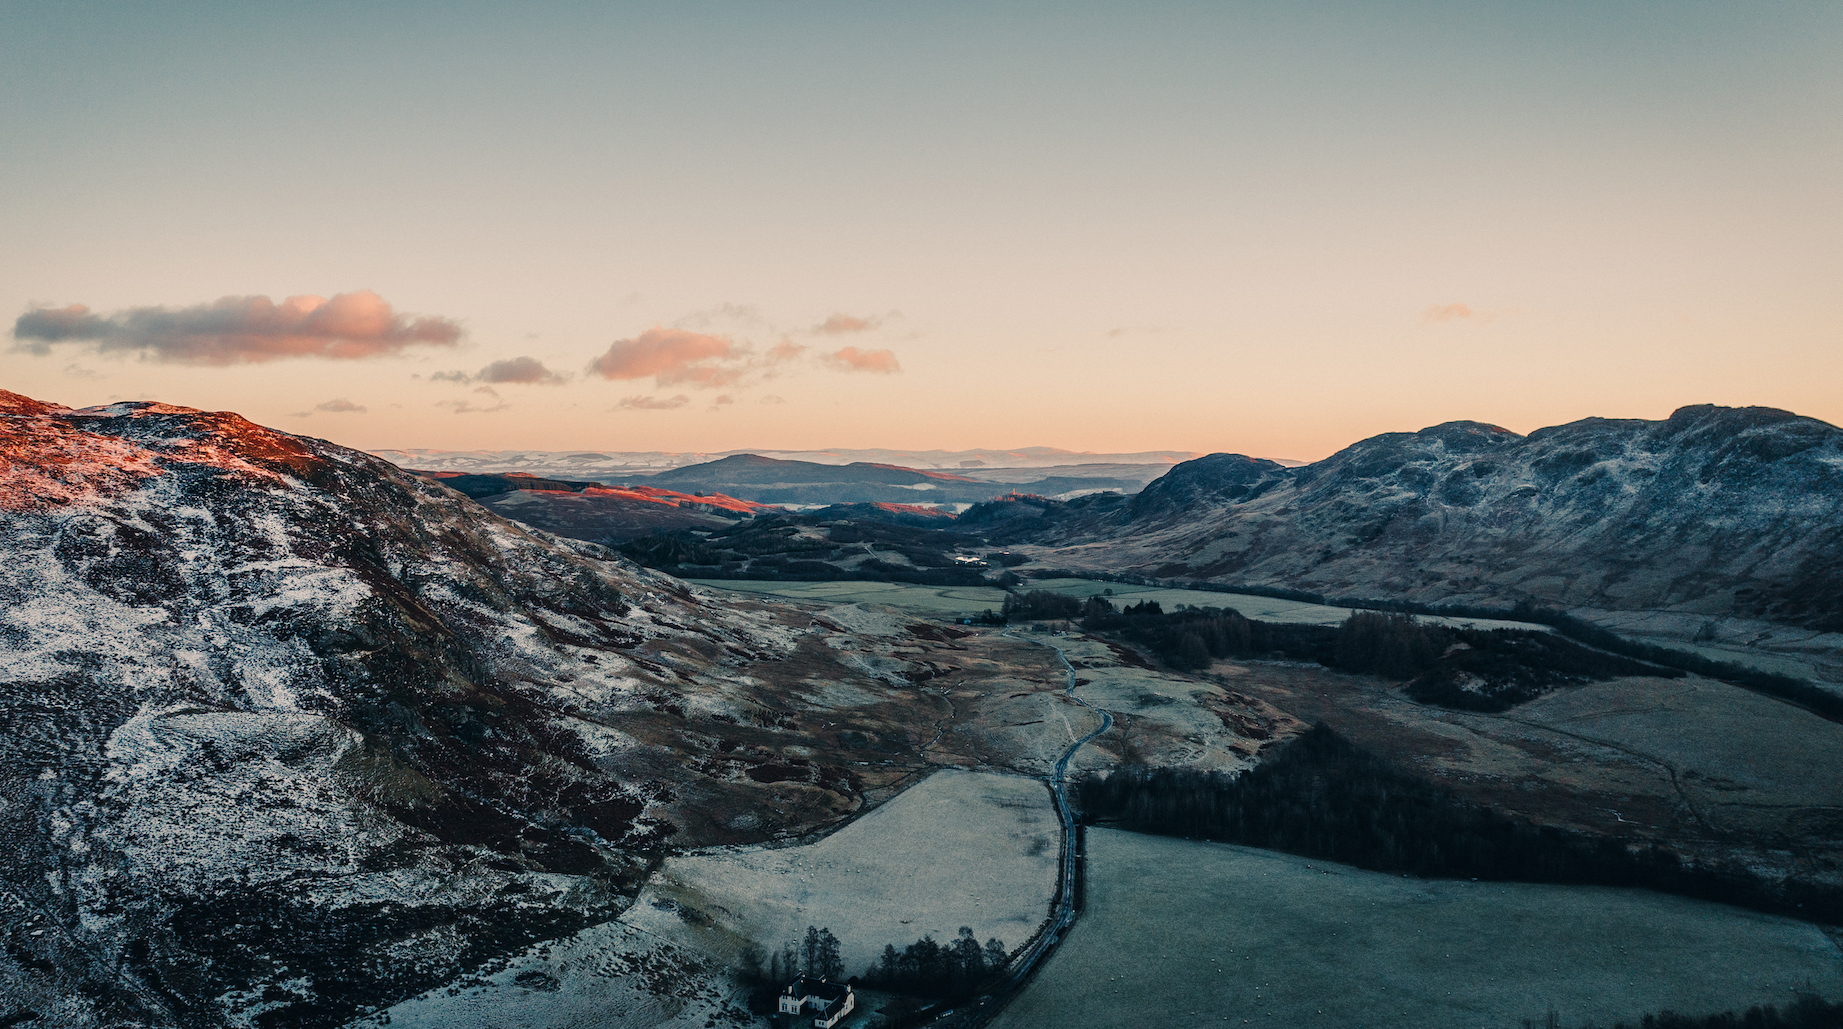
1209	226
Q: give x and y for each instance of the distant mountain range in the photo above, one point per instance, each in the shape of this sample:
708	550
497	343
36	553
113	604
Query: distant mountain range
756	480
1714	511
608	466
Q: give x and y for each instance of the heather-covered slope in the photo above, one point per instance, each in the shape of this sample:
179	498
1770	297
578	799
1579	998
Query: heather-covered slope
1711	512
287	733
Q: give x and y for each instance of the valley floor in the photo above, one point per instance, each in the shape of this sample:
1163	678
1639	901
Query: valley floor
1189	934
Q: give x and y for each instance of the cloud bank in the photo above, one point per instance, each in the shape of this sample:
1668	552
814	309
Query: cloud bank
241	330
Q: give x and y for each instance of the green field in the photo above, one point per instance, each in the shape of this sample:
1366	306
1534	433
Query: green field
1180	933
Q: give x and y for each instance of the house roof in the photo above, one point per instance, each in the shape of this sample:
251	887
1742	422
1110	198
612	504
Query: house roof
812	986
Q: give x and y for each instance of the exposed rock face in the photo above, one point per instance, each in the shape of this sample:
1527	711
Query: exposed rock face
287	733
1717	511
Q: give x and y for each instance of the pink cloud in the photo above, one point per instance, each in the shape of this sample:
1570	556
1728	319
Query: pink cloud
242	330
785	350
654	403
669	355
851	359
1446	312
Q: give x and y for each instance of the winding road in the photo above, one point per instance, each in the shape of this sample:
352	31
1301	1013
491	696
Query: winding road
981	1010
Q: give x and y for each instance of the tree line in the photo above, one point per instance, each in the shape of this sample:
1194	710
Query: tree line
1321	796
927	968
1807	1011
1456	666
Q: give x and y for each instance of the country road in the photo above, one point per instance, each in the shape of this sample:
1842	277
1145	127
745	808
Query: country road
981	1010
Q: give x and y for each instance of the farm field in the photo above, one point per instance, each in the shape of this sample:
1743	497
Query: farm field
1783	649
1747	763
1180	933
938	601
960	848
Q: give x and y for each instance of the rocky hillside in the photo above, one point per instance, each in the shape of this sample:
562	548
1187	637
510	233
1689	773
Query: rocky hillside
288	734
1714	511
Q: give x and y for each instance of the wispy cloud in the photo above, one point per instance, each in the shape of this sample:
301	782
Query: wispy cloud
851	359
1446	313
654	403
841	324
683	357
470	407
337	405
240	330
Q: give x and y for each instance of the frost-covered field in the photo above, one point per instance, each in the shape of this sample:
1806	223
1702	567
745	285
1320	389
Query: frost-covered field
960	848
610	975
1180	933
1742	759
929	600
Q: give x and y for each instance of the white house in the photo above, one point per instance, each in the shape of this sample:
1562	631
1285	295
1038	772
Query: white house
827	1000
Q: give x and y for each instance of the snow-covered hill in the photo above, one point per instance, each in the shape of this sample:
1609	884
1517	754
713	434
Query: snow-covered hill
287	734
1713	512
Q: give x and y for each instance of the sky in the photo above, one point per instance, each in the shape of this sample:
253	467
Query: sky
1264	228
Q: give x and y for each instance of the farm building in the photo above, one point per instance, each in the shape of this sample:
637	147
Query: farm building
828	1001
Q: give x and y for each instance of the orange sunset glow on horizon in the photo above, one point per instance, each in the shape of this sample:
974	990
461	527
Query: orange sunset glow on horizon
1252	228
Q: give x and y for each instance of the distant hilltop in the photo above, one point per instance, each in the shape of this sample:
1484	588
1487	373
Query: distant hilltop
602	464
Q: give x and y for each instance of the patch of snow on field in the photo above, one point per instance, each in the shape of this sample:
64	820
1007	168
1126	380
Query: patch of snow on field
961	848
610	975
